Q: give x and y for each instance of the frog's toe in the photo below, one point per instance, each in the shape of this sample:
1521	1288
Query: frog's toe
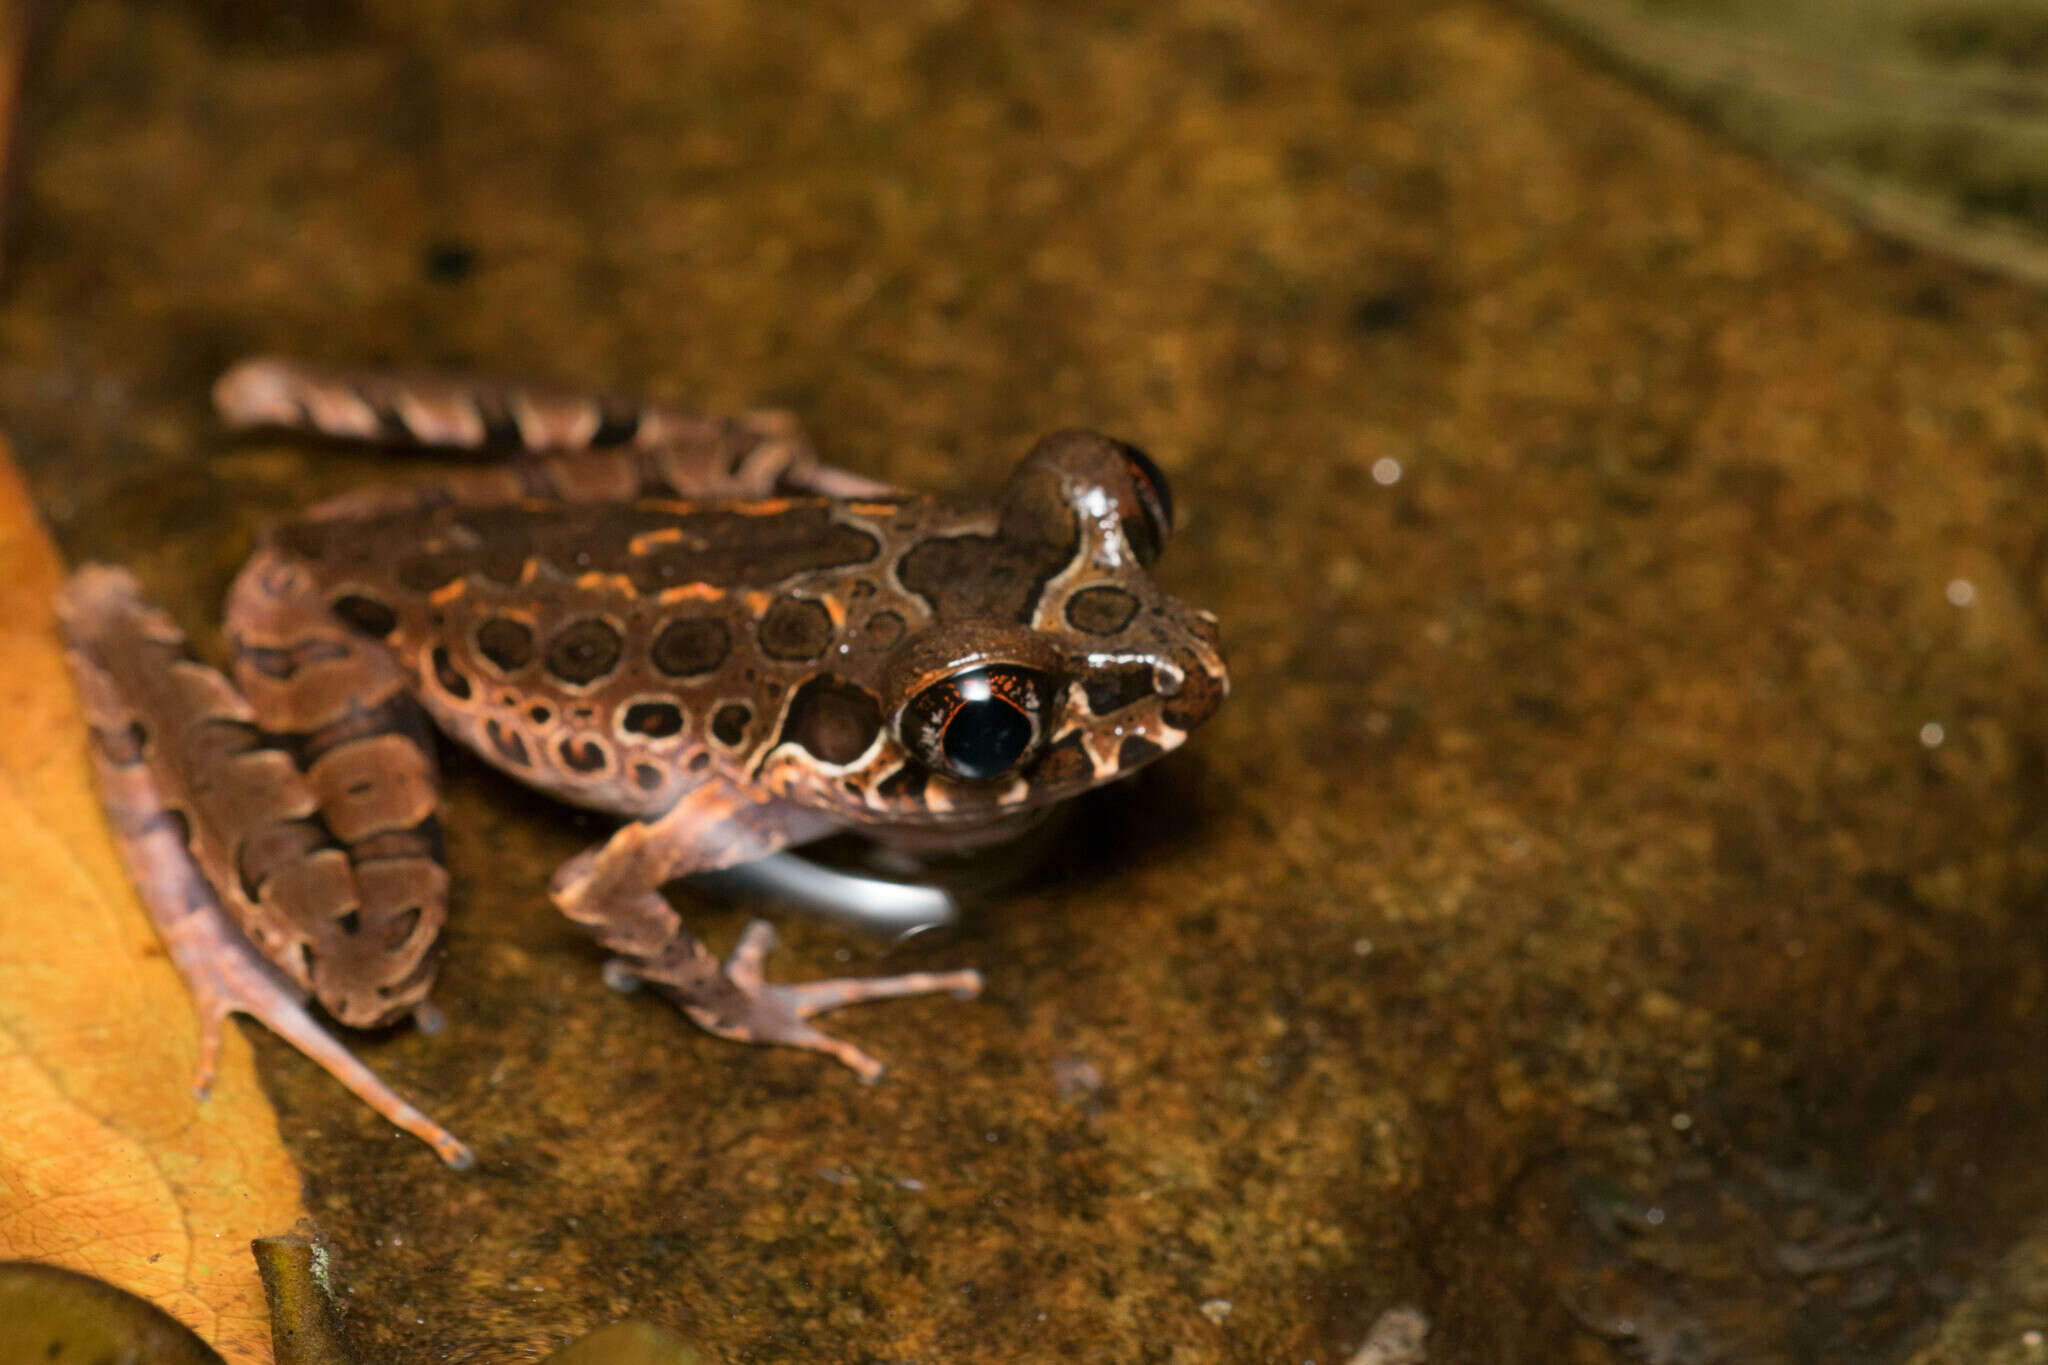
738	1005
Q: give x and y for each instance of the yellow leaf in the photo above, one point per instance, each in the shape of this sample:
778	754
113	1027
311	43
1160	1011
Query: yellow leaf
108	1164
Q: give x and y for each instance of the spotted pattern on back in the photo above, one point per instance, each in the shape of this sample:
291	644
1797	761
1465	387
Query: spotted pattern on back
833	719
691	646
582	652
968	576
505	643
614	652
795	630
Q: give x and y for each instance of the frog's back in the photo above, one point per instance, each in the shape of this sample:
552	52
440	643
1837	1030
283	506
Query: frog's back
612	653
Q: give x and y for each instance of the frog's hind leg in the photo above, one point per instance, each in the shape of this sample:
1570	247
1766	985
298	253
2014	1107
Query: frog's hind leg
368	901
220	832
578	446
614	891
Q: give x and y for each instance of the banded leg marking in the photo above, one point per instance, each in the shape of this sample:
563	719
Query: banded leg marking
591	448
368	899
158	720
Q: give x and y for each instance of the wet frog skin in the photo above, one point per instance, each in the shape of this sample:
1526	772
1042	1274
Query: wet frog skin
691	623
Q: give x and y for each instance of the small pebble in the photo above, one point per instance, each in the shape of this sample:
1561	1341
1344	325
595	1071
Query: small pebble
1398	1336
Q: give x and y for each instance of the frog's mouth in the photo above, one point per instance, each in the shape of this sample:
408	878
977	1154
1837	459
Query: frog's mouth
916	841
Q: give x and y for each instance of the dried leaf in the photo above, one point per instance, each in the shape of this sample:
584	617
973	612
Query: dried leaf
1921	117
108	1164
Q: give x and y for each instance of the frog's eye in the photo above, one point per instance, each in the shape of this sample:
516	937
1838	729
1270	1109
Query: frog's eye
1149	530
981	722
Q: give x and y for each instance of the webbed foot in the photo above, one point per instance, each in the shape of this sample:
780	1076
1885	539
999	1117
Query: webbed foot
226	977
736	1003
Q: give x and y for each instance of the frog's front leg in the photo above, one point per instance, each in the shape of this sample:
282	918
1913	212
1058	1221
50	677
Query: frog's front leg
614	890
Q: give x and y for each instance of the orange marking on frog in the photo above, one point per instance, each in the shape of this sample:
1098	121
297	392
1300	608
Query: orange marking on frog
597	580
648	540
690	592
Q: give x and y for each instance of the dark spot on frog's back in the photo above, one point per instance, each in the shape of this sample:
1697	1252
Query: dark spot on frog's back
508	743
1101	611
654	719
729	724
584	651
967	576
506	643
452	679
691	646
833	719
582	755
795	629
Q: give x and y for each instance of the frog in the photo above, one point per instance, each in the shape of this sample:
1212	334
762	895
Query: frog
691	624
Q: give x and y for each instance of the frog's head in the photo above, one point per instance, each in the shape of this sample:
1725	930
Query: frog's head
1052	662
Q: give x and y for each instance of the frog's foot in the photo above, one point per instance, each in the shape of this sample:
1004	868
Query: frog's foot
738	1004
226	976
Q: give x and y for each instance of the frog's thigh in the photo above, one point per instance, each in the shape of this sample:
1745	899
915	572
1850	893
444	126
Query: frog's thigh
360	891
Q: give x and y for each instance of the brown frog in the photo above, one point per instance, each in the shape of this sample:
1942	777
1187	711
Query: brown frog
689	622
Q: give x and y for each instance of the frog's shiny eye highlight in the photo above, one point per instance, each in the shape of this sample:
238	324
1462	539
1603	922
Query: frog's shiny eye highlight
981	722
1148	534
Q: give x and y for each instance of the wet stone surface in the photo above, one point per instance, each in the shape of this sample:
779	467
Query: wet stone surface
1608	912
